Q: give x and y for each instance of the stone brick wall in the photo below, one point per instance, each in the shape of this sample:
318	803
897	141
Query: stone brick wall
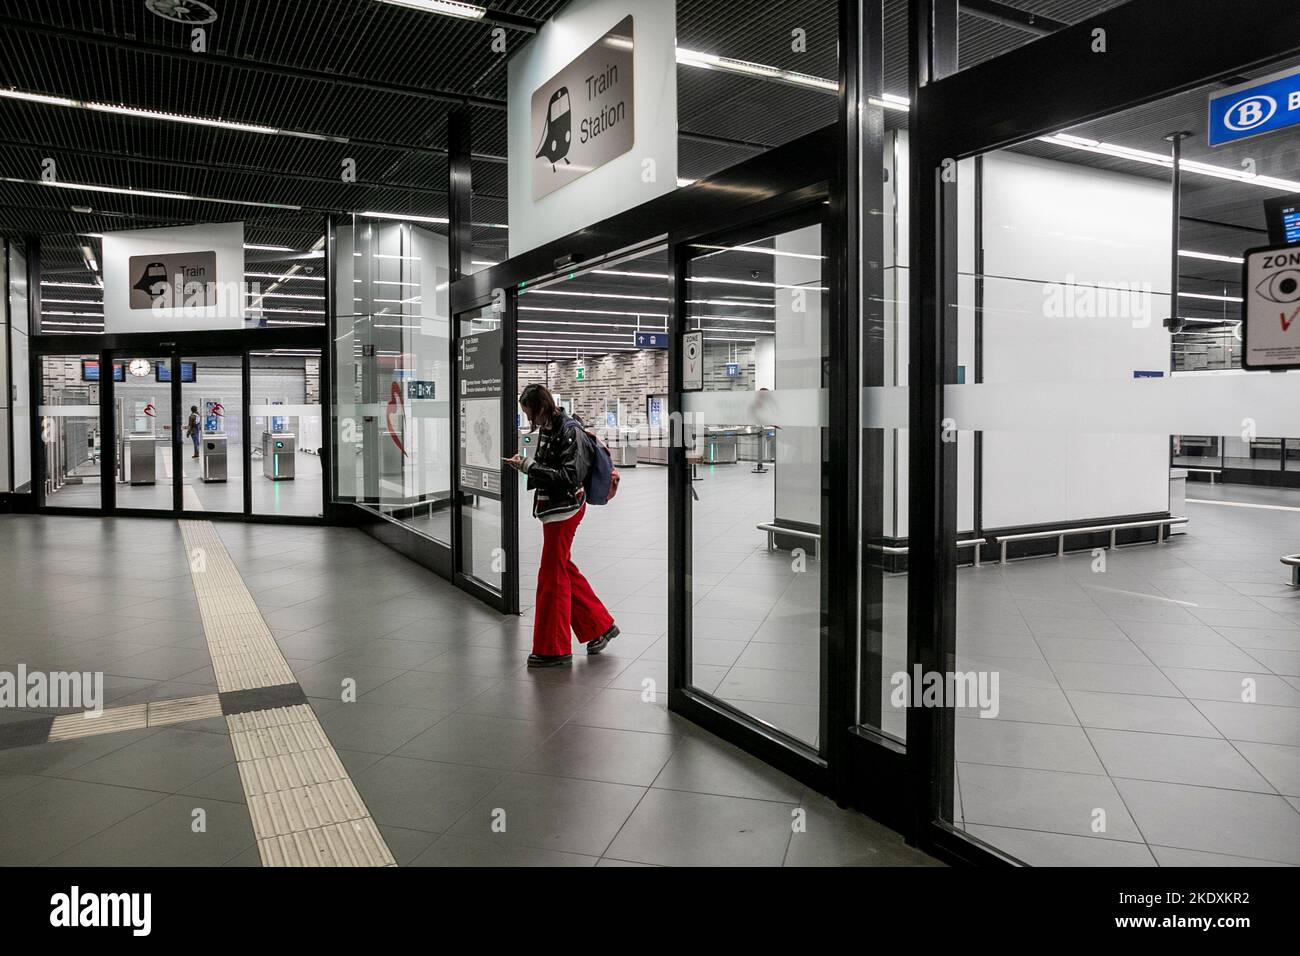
631	376
626	376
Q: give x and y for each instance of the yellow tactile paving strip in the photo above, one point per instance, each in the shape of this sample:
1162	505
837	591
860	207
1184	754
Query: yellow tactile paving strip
304	808
244	654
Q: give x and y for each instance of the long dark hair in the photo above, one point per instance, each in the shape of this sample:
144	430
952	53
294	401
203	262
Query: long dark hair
538	401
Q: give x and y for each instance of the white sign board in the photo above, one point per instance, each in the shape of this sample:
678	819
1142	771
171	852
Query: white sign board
178	279
1271	310
572	76
693	362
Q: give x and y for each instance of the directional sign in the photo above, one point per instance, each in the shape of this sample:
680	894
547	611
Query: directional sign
650	340
1260	106
1271	310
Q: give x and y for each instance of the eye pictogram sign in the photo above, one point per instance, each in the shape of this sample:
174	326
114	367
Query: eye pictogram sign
1271	308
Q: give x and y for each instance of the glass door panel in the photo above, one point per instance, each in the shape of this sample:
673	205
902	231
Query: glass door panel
482	447
285	426
212	433
143	429
758	305
1108	637
70	431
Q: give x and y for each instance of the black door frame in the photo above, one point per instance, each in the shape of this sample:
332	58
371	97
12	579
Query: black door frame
179	345
813	765
1050	84
505	600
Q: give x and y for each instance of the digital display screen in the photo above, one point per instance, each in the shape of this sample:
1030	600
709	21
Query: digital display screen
1291	224
163	371
90	371
1283	216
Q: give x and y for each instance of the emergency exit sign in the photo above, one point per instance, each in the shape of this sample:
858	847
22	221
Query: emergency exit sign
580	374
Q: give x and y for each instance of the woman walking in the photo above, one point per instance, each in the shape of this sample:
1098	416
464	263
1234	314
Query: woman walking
565	600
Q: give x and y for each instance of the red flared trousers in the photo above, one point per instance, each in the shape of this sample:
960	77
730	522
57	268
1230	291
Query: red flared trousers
565	601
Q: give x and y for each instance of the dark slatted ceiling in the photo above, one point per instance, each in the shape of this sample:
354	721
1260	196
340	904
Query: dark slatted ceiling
384	78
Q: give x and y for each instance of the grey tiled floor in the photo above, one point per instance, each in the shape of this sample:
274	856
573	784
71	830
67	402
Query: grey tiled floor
1121	691
462	755
1111	683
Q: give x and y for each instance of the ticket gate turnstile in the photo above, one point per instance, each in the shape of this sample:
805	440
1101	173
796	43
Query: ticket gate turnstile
214	462
278	455
142	459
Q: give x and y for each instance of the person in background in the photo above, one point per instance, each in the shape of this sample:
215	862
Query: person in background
192	428
565	600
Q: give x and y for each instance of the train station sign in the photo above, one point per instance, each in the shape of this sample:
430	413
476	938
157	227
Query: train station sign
582	117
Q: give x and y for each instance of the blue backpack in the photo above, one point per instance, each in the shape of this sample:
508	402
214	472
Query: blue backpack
601	482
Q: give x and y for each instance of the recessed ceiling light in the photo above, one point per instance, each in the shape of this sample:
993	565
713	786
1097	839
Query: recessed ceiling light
156	194
711	61
449	8
135	111
371	214
1162	159
1212	256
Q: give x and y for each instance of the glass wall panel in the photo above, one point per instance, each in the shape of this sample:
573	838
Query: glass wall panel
285	427
70	430
757	576
143	430
6	443
392	374
212	456
1124	668
482	446
20	365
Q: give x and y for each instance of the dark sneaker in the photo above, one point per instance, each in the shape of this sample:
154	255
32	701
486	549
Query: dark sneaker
596	645
549	660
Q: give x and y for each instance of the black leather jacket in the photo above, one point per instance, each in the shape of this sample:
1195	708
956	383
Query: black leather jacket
559	467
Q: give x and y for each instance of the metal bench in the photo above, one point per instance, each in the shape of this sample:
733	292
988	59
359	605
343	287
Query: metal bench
1208	471
773	530
1293	562
1062	533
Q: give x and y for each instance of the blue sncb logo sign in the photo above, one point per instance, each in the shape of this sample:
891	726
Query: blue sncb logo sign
1261	106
